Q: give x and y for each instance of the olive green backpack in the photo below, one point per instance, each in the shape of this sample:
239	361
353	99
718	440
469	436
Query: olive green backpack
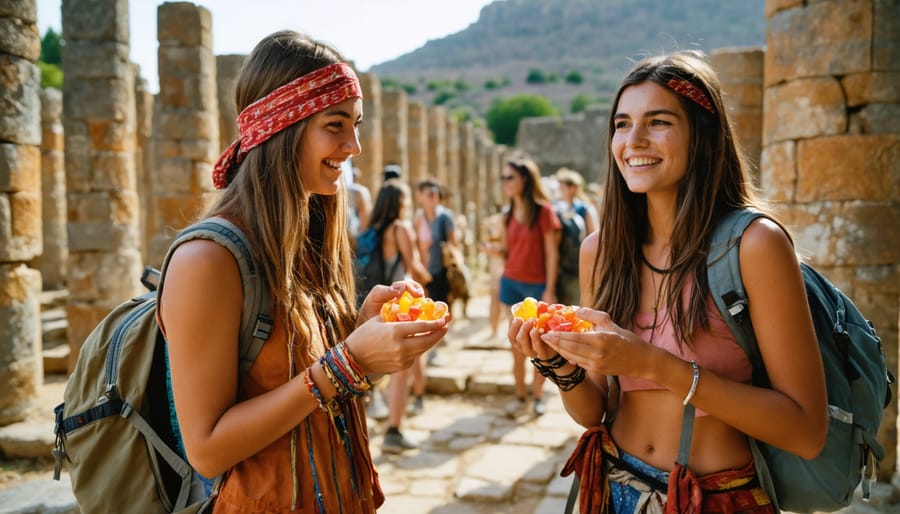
115	430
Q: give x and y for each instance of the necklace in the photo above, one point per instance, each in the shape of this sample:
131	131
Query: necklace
661	271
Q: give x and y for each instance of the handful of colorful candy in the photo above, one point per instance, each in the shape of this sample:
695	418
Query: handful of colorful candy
550	316
406	307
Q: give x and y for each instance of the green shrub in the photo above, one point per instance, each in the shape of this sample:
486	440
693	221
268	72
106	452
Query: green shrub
505	113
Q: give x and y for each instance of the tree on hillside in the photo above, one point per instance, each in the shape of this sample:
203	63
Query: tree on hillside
50	60
505	113
51	48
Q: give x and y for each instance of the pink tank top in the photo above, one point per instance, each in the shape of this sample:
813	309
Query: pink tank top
715	350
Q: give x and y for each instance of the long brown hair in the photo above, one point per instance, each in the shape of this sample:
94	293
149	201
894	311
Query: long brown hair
533	194
300	239
716	182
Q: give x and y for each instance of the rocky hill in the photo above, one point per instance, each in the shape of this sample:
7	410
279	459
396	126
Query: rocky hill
564	48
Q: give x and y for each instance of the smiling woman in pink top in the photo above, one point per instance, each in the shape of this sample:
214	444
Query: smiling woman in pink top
674	172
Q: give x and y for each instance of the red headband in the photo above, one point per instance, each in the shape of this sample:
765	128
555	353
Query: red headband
685	88
285	106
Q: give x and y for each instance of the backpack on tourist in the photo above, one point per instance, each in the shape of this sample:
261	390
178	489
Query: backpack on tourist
856	380
574	230
369	268
116	430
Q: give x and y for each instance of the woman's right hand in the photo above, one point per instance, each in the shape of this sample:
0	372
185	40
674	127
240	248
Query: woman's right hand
381	347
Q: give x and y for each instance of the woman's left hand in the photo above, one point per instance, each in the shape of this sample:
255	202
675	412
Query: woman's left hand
379	295
526	339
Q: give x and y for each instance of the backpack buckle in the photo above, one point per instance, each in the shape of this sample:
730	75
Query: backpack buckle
263	327
736	306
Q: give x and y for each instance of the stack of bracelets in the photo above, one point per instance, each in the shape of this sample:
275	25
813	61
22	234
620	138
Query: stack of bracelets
548	369
344	374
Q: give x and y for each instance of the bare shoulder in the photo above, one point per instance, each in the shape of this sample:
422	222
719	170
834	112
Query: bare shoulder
591	244
763	241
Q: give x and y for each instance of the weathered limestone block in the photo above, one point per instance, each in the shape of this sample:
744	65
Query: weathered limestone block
848	167
96	59
20	226
25	10
21	367
804	108
187	124
99	99
778	171
20	38
21	116
184	23
371	160
20	167
463	189
832	233
872	87
452	151
886	44
876	119
417	141
95	21
824	38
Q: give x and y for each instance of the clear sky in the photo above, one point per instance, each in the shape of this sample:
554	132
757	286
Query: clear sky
368	32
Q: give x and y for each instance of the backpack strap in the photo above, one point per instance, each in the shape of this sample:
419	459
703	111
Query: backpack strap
256	317
727	289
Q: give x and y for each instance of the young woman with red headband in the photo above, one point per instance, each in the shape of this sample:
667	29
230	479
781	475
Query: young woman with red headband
675	170
290	435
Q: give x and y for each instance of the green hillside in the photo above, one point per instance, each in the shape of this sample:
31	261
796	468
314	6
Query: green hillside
564	50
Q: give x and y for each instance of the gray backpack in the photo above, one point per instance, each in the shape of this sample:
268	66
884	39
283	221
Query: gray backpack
856	380
115	429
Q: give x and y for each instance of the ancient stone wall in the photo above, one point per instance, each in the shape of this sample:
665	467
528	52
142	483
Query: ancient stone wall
453	153
831	148
55	257
186	128
98	119
144	159
21	371
576	141
740	72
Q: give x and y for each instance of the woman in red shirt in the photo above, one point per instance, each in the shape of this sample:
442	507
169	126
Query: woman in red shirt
530	243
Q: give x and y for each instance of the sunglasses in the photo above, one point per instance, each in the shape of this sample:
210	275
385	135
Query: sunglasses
507	178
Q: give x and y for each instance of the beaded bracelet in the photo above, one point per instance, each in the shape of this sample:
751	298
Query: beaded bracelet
331	406
343	372
548	369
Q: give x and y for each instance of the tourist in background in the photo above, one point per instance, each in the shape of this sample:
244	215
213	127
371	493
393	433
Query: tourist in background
286	437
578	219
401	257
530	245
360	203
674	173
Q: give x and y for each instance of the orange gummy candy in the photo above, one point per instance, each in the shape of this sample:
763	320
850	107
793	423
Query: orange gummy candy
550	316
406	307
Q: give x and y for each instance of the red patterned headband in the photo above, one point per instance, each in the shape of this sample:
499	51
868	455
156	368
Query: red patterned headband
285	106
685	88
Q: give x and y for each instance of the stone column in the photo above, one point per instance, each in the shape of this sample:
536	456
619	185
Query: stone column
53	261
227	69
186	125
143	162
394	119
371	160
21	367
468	167
417	143
98	117
437	144
453	157
831	148
740	73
